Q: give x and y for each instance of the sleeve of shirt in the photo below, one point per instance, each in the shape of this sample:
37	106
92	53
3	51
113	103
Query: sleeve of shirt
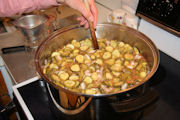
12	7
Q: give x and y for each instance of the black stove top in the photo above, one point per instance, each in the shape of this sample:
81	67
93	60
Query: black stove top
160	100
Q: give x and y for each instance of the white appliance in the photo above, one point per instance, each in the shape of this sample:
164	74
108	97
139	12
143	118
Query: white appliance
6	76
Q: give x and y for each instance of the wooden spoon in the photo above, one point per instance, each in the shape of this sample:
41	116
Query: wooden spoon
93	35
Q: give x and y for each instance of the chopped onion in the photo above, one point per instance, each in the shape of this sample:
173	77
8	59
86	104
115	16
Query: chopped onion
124	86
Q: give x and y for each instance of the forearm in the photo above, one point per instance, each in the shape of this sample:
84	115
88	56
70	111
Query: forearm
12	7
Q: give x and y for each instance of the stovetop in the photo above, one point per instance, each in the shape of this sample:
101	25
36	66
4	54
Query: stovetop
164	84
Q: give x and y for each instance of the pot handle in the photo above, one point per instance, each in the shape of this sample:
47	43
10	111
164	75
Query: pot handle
66	111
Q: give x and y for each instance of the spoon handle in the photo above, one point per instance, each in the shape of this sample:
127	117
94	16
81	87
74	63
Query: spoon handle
93	35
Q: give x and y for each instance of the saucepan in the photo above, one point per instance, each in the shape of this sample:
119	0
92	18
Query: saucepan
65	35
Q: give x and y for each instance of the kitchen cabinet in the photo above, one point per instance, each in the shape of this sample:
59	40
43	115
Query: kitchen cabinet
5	99
4	96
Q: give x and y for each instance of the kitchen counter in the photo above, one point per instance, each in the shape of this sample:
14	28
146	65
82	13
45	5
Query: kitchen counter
18	66
11	39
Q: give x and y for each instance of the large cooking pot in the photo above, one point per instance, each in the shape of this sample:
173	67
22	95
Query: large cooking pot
110	31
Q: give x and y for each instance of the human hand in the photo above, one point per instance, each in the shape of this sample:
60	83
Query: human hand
87	15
